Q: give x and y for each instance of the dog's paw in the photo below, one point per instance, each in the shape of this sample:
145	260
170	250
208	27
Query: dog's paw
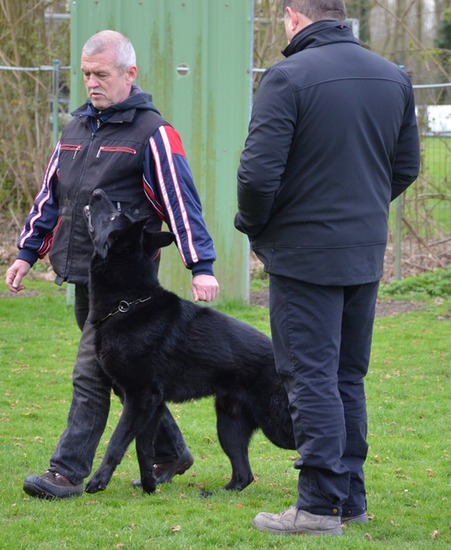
149	491
239	484
148	487
94	486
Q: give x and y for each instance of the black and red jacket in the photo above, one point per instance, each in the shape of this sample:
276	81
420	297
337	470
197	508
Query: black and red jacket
137	158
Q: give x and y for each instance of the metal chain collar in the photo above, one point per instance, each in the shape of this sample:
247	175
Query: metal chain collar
122	307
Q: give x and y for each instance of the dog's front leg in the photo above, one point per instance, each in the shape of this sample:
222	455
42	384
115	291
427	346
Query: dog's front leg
145	449
146	458
122	437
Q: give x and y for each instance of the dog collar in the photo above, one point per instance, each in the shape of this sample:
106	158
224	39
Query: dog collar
122	307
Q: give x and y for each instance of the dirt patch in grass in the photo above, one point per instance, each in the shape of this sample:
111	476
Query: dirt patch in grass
416	259
384	308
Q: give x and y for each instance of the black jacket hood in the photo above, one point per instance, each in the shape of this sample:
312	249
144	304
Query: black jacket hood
319	34
136	100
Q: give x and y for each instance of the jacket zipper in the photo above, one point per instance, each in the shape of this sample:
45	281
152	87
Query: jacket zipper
91	144
80	179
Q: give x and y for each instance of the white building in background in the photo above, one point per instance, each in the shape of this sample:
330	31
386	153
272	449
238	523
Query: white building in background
436	119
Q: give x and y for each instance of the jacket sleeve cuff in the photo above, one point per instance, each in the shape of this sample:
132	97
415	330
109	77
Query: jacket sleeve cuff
28	256
202	268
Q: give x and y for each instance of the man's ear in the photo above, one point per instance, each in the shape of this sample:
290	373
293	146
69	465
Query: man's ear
293	18
295	22
132	73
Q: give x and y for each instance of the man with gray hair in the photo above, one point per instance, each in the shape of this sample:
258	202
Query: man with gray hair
332	140
118	142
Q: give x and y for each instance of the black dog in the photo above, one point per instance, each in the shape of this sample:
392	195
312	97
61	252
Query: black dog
157	347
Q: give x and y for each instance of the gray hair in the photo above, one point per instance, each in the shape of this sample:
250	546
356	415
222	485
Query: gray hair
317	10
124	50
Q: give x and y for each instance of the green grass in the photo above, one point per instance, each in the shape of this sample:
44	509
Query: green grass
437	161
408	468
427	205
429	285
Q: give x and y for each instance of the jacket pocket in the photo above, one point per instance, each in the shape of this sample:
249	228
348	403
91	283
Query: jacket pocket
70	147
115	149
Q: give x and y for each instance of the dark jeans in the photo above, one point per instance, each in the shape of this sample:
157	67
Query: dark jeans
90	406
322	342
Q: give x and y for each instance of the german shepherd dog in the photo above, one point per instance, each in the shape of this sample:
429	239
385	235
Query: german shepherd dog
157	347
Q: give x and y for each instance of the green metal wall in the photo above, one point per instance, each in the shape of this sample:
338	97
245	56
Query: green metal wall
209	103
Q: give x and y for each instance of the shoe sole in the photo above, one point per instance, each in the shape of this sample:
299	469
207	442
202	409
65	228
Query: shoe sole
35	487
336	531
356	519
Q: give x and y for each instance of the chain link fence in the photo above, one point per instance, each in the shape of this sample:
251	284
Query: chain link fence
420	222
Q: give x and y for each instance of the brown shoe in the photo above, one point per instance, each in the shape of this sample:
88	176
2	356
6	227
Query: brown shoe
51	485
165	471
297	522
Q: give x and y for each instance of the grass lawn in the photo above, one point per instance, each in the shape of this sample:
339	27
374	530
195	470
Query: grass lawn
437	161
408	468
427	205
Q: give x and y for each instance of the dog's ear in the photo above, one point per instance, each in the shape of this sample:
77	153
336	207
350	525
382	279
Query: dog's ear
128	233
132	233
154	240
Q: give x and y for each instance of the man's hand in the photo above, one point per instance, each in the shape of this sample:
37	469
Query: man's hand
15	274
205	288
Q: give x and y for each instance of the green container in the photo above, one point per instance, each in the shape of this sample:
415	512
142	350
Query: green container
195	58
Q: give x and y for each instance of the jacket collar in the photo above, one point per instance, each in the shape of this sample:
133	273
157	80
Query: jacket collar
319	34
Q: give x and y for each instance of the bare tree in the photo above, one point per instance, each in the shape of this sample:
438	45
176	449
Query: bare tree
26	43
361	10
269	34
414	33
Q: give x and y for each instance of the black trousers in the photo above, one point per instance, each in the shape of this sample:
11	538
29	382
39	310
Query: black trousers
322	342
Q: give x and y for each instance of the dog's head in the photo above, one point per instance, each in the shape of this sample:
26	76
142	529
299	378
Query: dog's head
113	230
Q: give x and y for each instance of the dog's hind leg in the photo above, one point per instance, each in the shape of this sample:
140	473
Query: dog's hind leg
235	429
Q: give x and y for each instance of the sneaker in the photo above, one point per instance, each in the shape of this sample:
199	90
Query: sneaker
51	485
165	471
297	522
362	518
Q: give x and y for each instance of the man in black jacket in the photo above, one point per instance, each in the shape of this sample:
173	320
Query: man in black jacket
332	140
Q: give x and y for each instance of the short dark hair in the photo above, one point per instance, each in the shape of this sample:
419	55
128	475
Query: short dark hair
317	10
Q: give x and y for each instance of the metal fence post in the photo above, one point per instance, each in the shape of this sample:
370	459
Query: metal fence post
398	238
70	291
55	100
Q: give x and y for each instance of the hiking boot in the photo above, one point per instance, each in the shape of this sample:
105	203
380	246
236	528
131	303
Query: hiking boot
51	485
362	518
165	471
297	522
